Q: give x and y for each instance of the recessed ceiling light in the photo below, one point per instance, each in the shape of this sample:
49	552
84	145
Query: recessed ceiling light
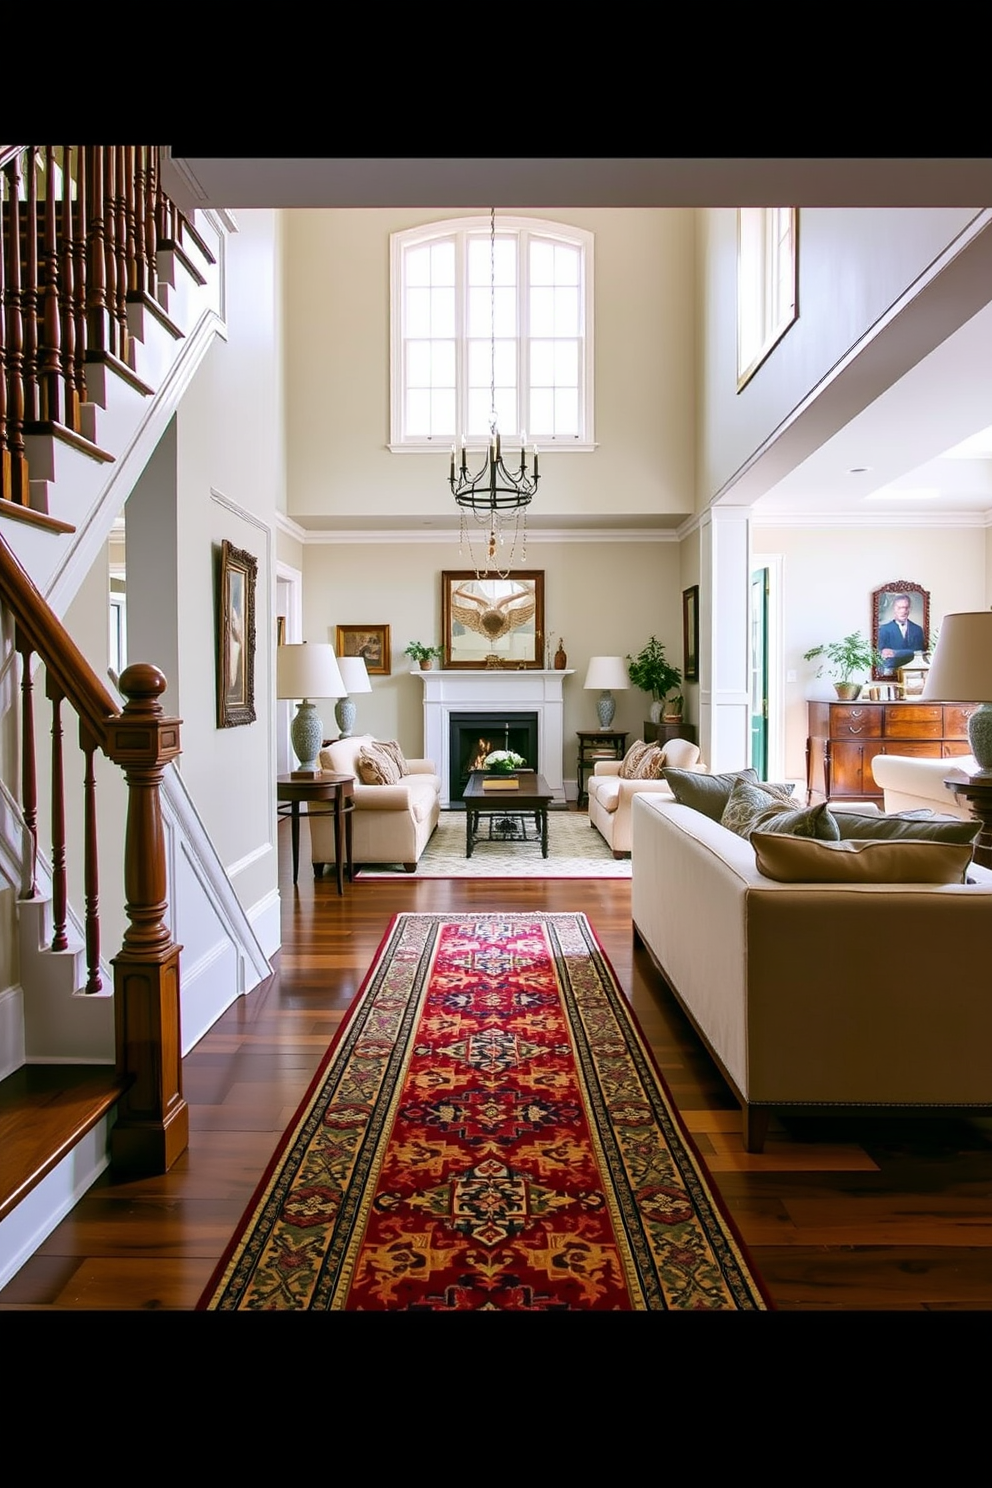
859	469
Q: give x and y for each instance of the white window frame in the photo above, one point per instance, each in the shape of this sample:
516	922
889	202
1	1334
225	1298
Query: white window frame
461	228
767	283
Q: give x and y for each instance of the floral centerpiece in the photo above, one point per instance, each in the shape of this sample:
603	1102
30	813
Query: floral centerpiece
503	761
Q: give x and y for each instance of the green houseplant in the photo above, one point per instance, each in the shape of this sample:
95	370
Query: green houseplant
424	654
846	657
652	672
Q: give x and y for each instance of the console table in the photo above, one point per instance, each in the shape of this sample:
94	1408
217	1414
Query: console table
339	789
843	739
594	745
668	728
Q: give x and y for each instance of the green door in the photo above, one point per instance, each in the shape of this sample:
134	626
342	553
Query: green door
759	672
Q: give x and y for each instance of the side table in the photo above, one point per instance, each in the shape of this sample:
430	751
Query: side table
977	791
340	790
594	745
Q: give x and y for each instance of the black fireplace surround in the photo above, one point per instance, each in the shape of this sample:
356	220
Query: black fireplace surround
471	736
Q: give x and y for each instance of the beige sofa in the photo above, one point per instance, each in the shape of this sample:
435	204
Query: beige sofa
816	995
610	797
390	823
909	783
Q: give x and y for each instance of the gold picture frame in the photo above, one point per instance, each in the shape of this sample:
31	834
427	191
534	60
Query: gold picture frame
236	637
370	642
493	622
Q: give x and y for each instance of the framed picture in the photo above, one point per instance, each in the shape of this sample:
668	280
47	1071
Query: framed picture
370	642
912	680
690	634
493	622
236	637
900	625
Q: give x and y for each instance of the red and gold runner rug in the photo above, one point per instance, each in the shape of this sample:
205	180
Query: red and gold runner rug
488	1132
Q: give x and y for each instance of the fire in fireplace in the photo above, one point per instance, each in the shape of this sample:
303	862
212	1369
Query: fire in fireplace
474	735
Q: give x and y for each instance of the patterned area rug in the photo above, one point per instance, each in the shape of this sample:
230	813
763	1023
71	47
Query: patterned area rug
575	850
488	1132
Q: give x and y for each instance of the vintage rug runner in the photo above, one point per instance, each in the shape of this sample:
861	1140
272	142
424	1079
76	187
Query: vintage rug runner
488	1132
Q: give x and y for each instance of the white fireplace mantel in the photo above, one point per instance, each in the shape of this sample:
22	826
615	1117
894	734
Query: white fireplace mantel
447	692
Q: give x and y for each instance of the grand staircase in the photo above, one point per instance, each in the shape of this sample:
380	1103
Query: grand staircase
109	299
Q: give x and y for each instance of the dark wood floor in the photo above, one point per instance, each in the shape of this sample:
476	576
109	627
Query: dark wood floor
838	1215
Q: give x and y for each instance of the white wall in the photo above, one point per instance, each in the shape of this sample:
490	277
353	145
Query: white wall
828	575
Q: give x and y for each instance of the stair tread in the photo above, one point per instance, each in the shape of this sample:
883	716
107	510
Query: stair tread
44	1110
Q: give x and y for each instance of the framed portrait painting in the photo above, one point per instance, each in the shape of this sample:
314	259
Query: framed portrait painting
690	634
493	622
900	626
236	637
370	642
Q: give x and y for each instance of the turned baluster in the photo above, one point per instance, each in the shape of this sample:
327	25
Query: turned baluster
29	785
51	399
91	885
121	244
59	886
80	256
99	332
67	295
5	475
29	289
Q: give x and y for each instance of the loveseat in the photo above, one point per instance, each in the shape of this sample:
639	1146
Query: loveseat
610	794
390	823
909	783
816	994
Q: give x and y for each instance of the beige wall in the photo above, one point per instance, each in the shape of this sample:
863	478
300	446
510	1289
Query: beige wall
337	342
602	598
828	575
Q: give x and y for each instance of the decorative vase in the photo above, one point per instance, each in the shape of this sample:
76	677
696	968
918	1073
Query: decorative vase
561	660
344	714
606	706
847	691
654	712
425	666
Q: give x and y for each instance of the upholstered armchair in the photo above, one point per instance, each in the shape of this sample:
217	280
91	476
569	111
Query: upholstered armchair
610	795
392	822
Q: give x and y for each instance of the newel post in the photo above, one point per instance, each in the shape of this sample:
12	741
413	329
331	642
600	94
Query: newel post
152	1127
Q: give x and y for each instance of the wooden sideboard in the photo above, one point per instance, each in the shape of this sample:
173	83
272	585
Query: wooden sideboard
843	739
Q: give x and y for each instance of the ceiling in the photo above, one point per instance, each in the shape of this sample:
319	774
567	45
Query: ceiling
909	444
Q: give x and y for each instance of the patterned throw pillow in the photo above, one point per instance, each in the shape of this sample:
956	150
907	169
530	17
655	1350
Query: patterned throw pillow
752	806
393	749
649	764
376	766
710	793
632	759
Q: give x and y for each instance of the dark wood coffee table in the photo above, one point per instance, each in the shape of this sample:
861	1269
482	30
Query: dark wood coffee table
532	797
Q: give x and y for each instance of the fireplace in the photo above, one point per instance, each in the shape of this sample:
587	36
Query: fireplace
474	735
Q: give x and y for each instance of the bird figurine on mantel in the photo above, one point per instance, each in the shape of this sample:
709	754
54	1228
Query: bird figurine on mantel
561	660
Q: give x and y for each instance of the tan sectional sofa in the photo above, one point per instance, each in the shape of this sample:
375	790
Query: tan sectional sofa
390	823
816	995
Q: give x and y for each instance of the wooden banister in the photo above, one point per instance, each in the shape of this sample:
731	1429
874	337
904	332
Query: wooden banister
152	1125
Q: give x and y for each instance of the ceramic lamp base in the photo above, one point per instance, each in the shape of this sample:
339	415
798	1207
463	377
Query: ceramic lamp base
605	708
344	714
980	735
306	733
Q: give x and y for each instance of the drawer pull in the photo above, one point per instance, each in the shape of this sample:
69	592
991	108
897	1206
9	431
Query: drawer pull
852	730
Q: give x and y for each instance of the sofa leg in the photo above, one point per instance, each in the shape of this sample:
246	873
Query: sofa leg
318	870
409	867
619	855
754	1127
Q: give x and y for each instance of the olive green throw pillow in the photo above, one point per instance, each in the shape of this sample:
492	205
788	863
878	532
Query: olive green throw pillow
751	806
710	793
801	860
896	826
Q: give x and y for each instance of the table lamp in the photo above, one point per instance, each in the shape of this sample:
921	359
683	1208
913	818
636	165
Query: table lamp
961	672
355	675
307	670
606	673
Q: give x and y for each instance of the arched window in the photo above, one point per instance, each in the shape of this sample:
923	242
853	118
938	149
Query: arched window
447	300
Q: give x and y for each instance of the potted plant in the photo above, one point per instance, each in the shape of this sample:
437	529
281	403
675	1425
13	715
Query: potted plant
652	672
424	654
854	653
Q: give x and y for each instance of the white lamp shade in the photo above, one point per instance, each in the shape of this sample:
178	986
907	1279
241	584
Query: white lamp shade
607	672
961	667
354	674
308	670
